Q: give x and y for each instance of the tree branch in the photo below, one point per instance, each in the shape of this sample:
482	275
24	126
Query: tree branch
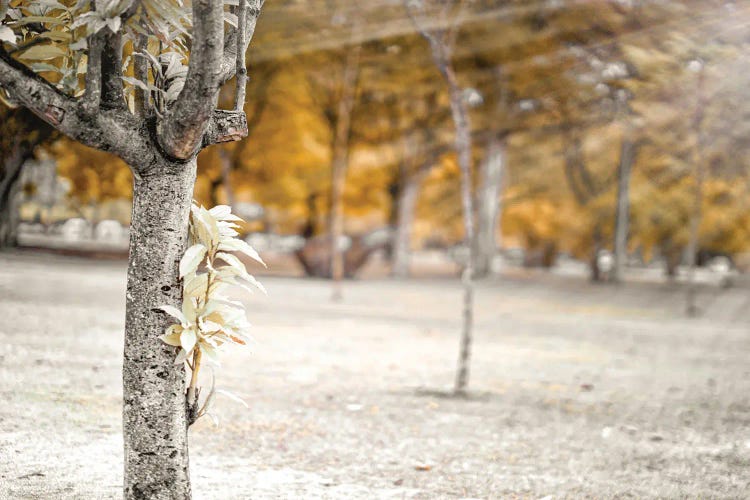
114	130
180	132
140	69
229	59
112	93
33	92
240	66
93	93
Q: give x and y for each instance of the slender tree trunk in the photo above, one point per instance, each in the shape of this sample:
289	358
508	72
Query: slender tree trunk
691	308
10	183
596	272
463	150
622	215
490	188
339	163
155	413
407	200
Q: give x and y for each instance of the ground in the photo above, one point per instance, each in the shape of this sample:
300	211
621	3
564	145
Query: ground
577	390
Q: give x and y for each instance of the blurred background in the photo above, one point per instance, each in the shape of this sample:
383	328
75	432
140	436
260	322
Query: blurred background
573	105
611	185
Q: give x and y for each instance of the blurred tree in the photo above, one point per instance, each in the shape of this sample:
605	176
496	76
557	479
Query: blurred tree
22	133
441	38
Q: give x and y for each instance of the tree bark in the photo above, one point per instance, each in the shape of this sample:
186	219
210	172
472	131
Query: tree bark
490	188
155	420
407	196
622	214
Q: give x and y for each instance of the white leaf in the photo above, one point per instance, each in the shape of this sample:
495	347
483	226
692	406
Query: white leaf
181	357
114	24
7	35
172	335
135	82
210	326
235	245
193	256
232	397
195	285
174	312
188	309
220	211
251	279
213	418
233	261
210	353
188	339
173	92
205	226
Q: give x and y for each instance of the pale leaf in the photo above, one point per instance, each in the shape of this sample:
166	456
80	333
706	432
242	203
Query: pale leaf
233	397
193	256
188	339
174	312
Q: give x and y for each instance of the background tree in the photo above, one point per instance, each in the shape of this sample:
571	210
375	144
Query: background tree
441	40
22	133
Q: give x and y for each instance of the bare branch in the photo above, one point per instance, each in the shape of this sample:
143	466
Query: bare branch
181	131
93	93
112	94
140	69
229	60
240	68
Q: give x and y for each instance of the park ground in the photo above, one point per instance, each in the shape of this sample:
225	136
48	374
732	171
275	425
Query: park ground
576	390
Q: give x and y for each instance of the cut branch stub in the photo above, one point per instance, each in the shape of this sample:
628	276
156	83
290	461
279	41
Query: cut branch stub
54	114
225	126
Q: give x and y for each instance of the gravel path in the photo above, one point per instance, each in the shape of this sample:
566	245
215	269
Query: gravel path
577	391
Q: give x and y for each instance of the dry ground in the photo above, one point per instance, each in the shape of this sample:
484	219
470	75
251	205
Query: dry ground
578	391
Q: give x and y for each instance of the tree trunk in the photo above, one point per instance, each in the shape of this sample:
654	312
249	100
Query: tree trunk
407	196
490	188
691	308
22	133
339	164
596	272
463	151
622	215
155	413
9	196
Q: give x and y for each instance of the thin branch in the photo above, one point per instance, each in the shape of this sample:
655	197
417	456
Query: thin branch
231	45
240	67
112	93
93	93
140	69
